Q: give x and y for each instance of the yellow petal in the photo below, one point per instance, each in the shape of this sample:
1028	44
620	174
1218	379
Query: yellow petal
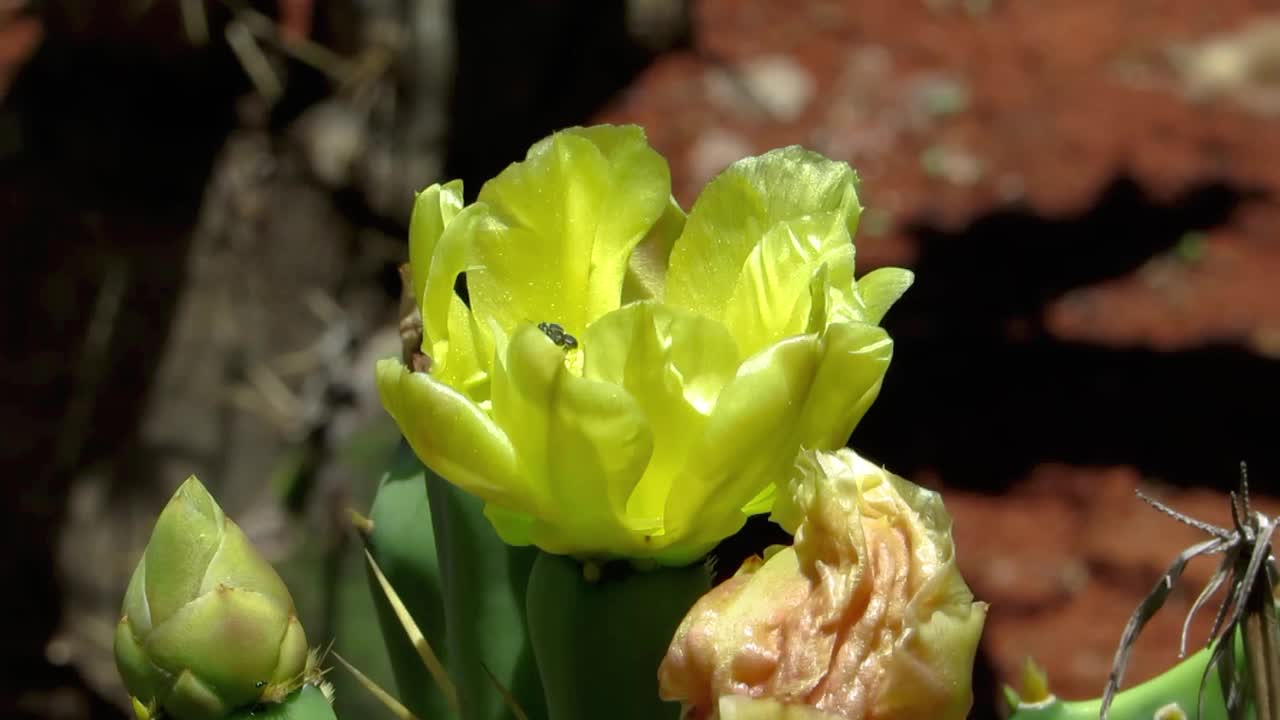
453	436
674	364
564	222
739	206
433	209
771	298
880	289
583	443
451	254
647	267
854	359
462	361
750	441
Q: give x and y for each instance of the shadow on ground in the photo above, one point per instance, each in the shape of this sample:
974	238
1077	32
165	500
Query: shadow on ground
979	393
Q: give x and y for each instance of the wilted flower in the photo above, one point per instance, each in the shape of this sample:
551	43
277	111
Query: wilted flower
208	625
865	617
626	381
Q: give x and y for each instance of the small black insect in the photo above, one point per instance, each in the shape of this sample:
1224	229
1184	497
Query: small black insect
558	335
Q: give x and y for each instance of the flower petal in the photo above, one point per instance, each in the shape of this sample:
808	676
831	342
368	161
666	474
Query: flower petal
583	443
229	638
771	298
739	206
564	222
674	364
866	616
880	289
513	527
741	707
451	254
461	350
433	209
462	361
185	538
452	435
237	563
647	267
853	362
750	441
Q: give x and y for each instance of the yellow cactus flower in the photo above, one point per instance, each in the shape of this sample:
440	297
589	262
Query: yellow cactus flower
865	618
626	381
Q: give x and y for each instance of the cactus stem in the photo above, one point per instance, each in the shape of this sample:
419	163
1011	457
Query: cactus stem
599	644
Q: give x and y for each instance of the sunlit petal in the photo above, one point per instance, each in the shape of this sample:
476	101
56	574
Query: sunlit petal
674	364
770	299
563	224
880	289
853	361
452	435
433	210
738	207
583	443
750	441
647	268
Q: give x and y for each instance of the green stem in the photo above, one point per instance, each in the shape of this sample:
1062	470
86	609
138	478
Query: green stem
1178	686
404	547
599	643
484	601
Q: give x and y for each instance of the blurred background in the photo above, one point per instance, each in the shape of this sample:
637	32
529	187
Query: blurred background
203	205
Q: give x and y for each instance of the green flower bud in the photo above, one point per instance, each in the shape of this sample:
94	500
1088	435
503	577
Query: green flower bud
208	626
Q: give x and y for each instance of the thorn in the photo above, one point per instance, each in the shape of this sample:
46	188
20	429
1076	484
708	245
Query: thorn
1172	711
429	658
362	524
1244	484
1011	699
382	696
1183	518
507	698
142	712
255	62
1034	683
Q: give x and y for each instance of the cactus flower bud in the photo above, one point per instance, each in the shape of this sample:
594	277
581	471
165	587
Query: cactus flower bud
208	626
865	617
